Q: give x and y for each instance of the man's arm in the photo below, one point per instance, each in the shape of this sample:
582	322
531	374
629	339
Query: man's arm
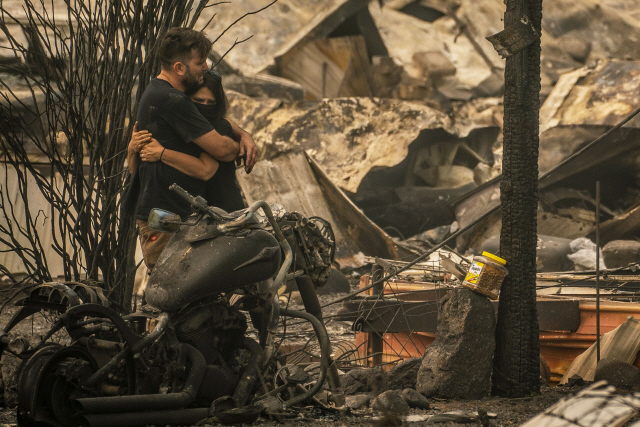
247	146
191	126
220	147
202	168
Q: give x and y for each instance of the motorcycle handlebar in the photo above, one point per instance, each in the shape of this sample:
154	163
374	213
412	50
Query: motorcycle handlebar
198	203
182	193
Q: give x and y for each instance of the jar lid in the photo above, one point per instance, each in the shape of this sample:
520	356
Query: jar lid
495	258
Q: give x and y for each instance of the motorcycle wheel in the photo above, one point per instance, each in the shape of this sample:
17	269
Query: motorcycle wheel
47	383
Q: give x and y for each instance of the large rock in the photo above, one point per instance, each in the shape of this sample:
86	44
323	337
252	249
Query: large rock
357	401
618	373
459	362
404	374
390	402
415	399
621	253
364	380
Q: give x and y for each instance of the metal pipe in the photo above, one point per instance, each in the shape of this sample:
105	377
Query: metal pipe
163	320
325	348
132	419
250	374
151	402
312	306
597	271
309	296
288	257
112	390
94	342
377	343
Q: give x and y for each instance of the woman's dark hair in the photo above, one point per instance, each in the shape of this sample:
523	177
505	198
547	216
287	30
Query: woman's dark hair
213	82
178	44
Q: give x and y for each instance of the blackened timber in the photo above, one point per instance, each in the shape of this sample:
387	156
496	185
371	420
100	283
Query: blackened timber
517	357
390	316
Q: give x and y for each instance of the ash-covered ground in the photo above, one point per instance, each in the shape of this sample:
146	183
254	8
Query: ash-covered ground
509	412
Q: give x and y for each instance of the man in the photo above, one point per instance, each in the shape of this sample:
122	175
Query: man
170	116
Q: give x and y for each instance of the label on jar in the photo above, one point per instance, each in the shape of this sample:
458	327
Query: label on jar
474	273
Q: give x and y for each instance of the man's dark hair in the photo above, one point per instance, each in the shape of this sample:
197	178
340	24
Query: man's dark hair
179	43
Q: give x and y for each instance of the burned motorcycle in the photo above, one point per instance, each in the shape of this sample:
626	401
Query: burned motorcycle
194	357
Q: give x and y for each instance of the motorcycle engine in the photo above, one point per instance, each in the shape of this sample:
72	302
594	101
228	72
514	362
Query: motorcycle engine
215	329
316	242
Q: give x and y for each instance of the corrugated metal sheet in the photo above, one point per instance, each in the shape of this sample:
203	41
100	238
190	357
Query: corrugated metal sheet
347	137
270	29
622	344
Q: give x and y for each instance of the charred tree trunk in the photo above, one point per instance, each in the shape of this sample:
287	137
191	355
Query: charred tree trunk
517	358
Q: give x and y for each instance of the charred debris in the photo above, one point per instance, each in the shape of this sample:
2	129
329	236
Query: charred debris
404	153
411	132
385	118
398	110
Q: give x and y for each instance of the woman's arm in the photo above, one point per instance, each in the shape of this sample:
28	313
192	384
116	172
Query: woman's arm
138	140
202	168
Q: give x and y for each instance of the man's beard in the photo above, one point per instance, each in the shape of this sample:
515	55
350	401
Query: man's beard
190	82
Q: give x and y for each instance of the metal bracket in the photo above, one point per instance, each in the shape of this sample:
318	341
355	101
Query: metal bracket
514	38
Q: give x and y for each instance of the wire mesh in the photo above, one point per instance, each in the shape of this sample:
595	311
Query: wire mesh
385	308
398	303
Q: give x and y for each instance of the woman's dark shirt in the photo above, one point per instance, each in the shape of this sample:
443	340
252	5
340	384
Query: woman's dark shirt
222	190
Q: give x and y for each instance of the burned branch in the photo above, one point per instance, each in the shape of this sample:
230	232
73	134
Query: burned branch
65	134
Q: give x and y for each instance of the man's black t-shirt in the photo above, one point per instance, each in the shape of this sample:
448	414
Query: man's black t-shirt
175	122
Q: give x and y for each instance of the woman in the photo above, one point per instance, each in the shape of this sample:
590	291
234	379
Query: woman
222	189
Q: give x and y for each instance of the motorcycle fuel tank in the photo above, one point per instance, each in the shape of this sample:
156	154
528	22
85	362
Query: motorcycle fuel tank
187	271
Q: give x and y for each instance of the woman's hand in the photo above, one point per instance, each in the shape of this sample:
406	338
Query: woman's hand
151	151
138	139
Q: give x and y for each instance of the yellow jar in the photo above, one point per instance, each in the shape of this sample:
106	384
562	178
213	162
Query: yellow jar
486	274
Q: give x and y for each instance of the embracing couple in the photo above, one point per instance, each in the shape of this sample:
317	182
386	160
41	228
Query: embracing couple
182	136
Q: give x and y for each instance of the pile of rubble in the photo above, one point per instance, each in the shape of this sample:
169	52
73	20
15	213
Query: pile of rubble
397	105
422	158
385	117
420	174
457	365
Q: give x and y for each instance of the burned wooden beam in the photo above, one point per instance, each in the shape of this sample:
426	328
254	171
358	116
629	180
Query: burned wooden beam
390	315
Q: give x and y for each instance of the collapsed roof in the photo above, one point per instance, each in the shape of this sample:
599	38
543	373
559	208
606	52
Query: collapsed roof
582	106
